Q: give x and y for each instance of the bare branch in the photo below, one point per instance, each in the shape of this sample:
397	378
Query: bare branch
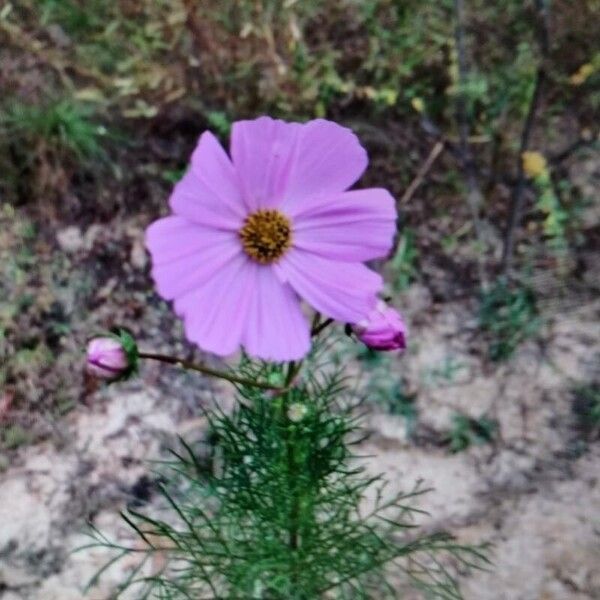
518	198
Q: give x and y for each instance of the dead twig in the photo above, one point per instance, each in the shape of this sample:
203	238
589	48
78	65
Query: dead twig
422	172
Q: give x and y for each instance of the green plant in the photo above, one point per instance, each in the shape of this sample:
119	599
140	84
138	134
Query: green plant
396	401
280	515
445	372
13	437
61	125
219	121
586	406
42	145
467	432
508	315
403	263
386	388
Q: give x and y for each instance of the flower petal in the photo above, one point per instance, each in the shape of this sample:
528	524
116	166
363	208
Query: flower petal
281	163
276	328
215	314
353	226
262	151
186	255
328	160
341	290
209	192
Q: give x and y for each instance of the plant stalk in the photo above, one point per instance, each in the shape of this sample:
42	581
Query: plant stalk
518	199
186	364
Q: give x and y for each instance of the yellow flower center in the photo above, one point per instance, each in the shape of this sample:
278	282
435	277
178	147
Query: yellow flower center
266	235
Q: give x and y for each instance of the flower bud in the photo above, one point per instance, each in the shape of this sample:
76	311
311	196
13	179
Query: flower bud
297	411
534	164
112	357
383	329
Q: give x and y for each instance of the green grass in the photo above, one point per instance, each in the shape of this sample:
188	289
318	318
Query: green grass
43	145
63	125
78	19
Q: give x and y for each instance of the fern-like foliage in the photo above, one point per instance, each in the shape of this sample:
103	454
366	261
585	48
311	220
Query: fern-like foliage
282	512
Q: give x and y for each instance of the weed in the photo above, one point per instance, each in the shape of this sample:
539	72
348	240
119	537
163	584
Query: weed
444	373
43	144
387	388
13	437
586	406
509	316
467	432
62	124
403	264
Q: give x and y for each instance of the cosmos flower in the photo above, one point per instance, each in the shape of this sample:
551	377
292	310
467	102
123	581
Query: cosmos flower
253	234
383	329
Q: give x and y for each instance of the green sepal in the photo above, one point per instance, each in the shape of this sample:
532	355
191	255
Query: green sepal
128	343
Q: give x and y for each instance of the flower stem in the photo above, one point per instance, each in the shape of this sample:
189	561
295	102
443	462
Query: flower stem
318	327
186	364
292	475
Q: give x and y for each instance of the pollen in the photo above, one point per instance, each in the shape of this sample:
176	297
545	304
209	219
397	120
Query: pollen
266	235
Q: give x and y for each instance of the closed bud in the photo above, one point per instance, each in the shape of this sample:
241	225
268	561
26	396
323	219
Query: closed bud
297	412
383	329
112	357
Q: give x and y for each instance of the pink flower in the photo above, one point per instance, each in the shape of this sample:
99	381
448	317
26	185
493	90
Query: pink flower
384	329
107	358
252	235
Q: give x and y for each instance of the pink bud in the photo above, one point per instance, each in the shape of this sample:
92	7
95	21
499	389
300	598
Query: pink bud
106	358
383	329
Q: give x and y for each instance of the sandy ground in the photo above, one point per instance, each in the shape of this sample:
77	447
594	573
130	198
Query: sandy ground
534	493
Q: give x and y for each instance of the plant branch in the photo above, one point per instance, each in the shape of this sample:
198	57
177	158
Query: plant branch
186	364
474	195
319	327
518	197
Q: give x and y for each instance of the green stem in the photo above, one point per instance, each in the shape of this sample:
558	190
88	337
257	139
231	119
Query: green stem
186	364
295	506
293	370
293	526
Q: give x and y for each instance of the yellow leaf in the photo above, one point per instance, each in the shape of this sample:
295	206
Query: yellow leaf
141	109
581	75
89	94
